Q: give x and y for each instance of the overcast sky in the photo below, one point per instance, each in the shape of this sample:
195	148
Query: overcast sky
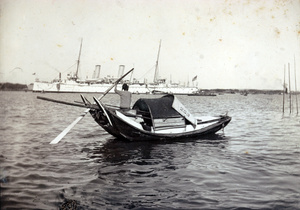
226	43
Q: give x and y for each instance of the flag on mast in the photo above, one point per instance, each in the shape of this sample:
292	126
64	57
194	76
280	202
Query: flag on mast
194	79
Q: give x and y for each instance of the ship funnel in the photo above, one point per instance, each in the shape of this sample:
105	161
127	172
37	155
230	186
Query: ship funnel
96	74
121	71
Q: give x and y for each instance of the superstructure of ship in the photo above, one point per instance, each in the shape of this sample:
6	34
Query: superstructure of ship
73	84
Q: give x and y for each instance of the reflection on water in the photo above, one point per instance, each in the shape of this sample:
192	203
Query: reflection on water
254	164
119	151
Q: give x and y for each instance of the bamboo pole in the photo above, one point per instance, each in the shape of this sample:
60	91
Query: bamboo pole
295	84
290	92
283	90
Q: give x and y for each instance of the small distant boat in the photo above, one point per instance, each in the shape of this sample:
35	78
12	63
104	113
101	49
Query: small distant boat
158	92
244	93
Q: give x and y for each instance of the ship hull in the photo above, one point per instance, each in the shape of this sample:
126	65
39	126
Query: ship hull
59	87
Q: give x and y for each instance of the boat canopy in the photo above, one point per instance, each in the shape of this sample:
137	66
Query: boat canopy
158	108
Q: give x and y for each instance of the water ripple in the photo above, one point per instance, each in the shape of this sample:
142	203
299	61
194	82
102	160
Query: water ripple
252	165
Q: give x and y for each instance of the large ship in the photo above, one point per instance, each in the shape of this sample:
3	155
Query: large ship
73	84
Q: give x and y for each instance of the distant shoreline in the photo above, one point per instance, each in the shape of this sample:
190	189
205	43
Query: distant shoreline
22	87
13	87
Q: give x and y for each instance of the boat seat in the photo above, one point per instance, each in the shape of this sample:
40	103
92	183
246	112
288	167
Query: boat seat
129	120
169	123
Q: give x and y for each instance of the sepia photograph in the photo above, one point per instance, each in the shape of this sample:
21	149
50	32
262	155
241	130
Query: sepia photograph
149	104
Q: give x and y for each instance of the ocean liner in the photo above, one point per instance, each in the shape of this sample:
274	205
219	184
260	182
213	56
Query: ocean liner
73	84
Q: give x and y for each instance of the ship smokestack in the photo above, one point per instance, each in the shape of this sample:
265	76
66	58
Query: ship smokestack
96	74
121	71
98	67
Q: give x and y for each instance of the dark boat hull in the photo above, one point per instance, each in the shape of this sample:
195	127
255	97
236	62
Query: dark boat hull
122	129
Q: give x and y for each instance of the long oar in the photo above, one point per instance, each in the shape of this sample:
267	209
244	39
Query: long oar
67	129
64	132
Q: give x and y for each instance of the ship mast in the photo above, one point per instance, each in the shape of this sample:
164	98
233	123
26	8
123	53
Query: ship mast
78	61
156	66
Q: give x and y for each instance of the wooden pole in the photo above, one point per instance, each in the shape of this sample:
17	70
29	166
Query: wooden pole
295	84
156	66
284	88
290	95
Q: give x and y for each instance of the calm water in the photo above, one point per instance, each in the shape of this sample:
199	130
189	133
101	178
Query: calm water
254	164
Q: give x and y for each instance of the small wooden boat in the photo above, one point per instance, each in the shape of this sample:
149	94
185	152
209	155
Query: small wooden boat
155	119
150	119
